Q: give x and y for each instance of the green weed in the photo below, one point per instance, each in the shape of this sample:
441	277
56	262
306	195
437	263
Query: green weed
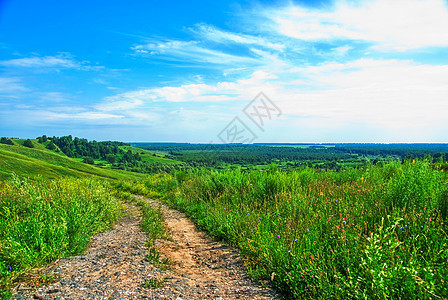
153	283
43	220
377	232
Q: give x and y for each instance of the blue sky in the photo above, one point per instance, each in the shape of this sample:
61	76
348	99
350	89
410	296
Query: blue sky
181	71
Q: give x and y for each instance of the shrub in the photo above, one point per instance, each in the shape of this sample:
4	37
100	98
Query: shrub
6	141
28	143
88	160
51	146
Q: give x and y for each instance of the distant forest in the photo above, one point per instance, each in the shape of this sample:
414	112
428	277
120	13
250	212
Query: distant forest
257	154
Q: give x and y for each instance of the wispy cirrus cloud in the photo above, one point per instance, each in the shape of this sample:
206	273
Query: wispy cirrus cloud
211	33
80	116
41	62
192	52
11	85
45	63
389	25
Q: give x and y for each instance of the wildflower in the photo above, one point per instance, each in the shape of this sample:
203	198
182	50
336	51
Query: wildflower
295	240
259	218
248	214
278	236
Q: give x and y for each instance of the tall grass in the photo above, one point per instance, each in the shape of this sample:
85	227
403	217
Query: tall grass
375	233
41	221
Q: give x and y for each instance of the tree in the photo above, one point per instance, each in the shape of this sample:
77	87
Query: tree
51	146
6	141
110	158
28	143
88	160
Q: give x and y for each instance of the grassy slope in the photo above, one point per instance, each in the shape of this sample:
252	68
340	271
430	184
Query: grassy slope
40	161
148	156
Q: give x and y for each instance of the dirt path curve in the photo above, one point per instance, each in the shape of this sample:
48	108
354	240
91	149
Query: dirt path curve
114	267
203	268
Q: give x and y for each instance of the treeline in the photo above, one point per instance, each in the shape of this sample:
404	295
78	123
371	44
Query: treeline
439	152
109	151
90	150
212	155
78	147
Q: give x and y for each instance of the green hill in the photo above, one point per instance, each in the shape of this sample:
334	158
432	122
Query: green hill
39	161
150	157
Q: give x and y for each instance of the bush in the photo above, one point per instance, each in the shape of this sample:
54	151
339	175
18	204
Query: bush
6	141
111	158
28	143
51	146
88	160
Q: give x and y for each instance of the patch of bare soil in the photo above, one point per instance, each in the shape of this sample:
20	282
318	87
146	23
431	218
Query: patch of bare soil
203	268
115	267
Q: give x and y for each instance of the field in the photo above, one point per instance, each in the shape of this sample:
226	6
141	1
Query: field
373	233
366	222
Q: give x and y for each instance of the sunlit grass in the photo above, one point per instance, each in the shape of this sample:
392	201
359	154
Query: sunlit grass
43	220
375	233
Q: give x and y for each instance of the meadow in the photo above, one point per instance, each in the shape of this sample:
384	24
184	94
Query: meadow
43	220
370	231
377	232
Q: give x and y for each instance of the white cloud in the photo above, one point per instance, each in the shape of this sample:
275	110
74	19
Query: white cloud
11	85
191	52
88	115
382	93
53	96
61	61
391	25
341	51
211	33
41	62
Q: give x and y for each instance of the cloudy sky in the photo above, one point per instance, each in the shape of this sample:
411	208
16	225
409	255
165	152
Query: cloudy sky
181	71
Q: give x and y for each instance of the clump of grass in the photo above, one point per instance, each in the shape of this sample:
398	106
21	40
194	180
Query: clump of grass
153	283
43	220
372	233
153	224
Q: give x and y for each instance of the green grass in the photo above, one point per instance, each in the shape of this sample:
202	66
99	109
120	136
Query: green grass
153	283
150	157
43	220
49	164
373	233
153	221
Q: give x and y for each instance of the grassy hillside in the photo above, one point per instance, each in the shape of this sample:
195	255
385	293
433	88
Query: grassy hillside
38	161
151	157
